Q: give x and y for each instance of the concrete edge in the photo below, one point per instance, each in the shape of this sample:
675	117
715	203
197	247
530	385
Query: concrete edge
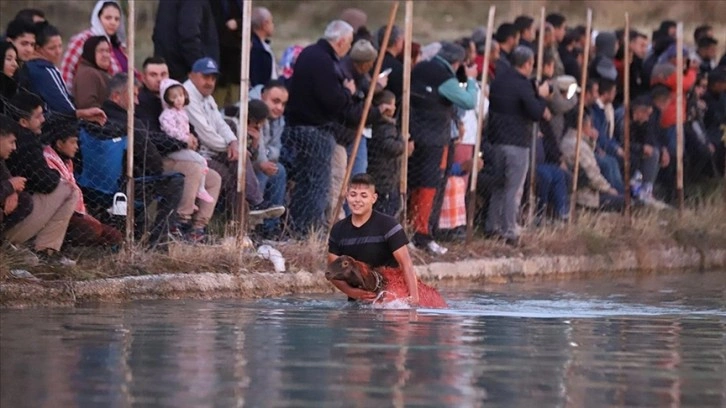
218	285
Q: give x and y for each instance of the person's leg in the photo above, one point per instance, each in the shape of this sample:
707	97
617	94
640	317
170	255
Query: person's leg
85	230
213	184
559	196
649	168
543	187
275	193
360	165
422	203
167	192
614	203
338	164
253	192
228	194
48	221
610	169
192	180
517	164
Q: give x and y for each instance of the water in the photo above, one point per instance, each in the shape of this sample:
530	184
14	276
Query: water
655	341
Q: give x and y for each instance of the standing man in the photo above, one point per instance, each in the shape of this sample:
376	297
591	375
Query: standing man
262	59
228	18
508	37
394	48
370	237
525	26
184	32
515	104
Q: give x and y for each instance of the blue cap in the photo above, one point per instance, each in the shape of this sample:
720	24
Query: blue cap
205	66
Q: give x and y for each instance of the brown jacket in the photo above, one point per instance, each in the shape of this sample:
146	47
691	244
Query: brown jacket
90	86
592	181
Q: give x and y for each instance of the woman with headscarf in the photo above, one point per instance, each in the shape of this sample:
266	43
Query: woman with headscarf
90	84
106	20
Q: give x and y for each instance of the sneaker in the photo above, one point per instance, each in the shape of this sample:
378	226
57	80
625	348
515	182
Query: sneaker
23	274
54	258
435	248
196	236
203	195
266	210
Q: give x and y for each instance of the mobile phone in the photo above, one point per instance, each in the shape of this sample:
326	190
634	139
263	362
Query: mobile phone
385	73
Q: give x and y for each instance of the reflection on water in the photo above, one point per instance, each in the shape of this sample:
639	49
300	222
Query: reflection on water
657	341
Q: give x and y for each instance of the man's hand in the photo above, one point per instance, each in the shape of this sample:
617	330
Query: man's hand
665	158
269	168
349	84
544	90
647	151
613	192
620	152
18	183
411	147
232	24
547	115
467	165
92	115
11	203
192	143
233	151
383	82
471	71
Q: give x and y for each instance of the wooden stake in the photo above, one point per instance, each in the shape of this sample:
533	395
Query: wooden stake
130	89
244	90
626	126
679	116
406	107
535	128
471	205
364	115
580	114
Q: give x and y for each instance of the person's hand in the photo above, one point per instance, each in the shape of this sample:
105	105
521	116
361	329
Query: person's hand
544	90
620	152
18	183
563	166
349	84
471	71
665	158
11	203
193	143
383	82
647	151
467	165
232	24
711	148
462	131
269	168
613	192
233	151
92	115
547	115
411	147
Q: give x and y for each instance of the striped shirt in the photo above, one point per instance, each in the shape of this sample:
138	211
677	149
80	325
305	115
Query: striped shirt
373	242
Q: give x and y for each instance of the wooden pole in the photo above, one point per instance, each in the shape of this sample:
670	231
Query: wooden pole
406	107
130	89
244	90
364	115
679	116
471	205
535	128
626	126
580	114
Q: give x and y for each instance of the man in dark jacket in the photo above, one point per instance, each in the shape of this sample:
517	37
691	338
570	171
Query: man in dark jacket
262	59
151	181
184	32
515	104
15	203
228	19
393	49
53	198
508	37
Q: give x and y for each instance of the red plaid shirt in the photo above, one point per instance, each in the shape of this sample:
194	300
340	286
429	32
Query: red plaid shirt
69	65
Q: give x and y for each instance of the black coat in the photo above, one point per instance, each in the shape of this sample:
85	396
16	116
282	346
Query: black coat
385	149
184	32
260	63
25	201
147	160
514	106
395	79
28	161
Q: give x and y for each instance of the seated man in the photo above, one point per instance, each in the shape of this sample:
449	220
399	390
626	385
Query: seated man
370	237
217	142
609	152
271	174
15	203
53	198
151	181
593	190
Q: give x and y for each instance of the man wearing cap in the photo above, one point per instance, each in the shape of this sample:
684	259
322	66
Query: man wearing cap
218	143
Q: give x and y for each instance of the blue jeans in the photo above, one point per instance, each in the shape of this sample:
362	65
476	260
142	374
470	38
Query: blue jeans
610	169
306	153
361	159
551	187
274	192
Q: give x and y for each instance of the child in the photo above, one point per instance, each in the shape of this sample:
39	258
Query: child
384	153
175	123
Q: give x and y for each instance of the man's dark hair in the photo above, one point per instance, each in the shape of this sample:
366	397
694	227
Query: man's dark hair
717	76
666	25
16	28
23	104
274	83
396	33
659	92
523	23
605	85
590	85
28	15
548	57
505	31
8	126
153	61
384	96
701	32
521	55
556	19
571	36
362	179
642	101
705	42
257	111
44	32
635	34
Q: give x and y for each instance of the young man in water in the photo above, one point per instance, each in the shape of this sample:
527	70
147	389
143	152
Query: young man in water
371	237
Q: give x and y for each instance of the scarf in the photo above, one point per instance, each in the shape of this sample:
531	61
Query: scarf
89	49
65	168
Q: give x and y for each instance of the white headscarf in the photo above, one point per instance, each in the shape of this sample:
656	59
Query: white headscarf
97	27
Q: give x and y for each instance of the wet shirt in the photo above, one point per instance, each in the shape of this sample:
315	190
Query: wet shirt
373	242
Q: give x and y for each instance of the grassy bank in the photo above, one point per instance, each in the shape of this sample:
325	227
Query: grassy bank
701	226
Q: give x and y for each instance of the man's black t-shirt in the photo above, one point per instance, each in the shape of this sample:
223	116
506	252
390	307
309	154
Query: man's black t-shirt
373	242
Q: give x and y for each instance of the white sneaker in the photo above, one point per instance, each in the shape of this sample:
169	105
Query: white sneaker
435	248
655	203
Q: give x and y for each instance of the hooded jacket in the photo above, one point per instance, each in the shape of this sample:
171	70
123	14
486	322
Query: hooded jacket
72	57
174	122
603	66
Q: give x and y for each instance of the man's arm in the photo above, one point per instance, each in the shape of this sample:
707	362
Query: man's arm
207	131
190	13
463	98
342	286
404	261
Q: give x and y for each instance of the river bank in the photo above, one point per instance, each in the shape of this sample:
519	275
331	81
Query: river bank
596	244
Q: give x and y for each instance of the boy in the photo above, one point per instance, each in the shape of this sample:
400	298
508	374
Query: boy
370	237
15	204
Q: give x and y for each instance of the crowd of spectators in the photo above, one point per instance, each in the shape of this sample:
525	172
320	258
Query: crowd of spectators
63	129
